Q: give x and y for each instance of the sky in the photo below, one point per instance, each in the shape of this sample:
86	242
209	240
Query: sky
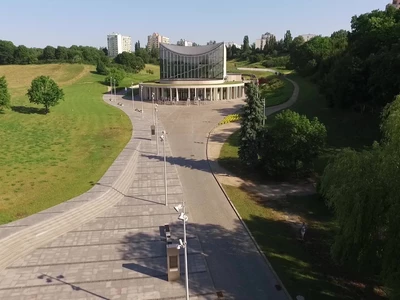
38	23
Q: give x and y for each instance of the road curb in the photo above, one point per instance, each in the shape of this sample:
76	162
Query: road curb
242	221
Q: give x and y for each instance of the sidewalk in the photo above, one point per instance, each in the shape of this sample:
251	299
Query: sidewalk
110	245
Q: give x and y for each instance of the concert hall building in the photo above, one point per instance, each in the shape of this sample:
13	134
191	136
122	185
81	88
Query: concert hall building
193	73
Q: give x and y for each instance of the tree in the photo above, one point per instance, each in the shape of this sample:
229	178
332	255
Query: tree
104	50
287	40
49	53
101	68
45	91
291	143
61	53
7	49
130	62
137	46
117	76
251	124
4	94
363	190
22	55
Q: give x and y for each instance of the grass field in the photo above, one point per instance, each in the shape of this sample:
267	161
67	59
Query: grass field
142	76
47	159
305	267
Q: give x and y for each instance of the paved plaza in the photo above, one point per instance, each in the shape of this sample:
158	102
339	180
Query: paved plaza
109	244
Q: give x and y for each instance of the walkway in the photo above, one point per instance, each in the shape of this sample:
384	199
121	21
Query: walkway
107	243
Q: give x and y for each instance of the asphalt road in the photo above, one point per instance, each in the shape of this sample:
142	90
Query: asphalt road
236	267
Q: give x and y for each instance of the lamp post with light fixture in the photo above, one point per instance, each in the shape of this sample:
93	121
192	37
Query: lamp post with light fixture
183	217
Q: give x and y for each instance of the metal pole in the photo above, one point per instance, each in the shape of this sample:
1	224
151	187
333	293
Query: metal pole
141	98
111	88
158	151
186	251
152	100
133	100
163	138
115	89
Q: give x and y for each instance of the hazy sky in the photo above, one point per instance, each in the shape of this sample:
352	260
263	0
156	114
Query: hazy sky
37	23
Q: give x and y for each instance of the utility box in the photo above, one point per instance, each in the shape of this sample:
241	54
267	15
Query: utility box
153	130
173	266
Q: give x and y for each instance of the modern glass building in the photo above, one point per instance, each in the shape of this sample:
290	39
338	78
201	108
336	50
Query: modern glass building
194	73
192	63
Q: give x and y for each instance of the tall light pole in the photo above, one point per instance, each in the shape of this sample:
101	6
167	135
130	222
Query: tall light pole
141	97
152	100
115	89
163	138
133	100
111	88
183	217
155	111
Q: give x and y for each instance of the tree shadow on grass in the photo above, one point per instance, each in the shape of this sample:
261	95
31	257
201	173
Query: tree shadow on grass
28	110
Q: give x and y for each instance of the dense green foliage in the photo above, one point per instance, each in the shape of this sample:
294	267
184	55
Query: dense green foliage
130	62
45	91
251	124
363	189
4	94
21	55
290	143
117	76
101	68
357	69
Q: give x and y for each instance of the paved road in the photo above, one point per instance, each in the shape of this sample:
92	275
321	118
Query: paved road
234	263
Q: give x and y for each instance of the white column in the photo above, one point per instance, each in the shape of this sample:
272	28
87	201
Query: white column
170	93
177	95
205	94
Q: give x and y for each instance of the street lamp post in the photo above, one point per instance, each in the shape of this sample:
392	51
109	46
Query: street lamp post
163	138
155	111
183	217
115	90
111	88
152	100
133	100
141	97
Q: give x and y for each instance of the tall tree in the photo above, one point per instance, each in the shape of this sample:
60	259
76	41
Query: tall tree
251	124
287	40
137	46
4	94
7	49
45	91
246	44
22	55
49	53
61	53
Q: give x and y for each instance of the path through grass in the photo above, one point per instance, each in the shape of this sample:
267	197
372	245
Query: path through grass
47	159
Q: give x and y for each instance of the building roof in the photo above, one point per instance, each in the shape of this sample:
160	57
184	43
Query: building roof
192	50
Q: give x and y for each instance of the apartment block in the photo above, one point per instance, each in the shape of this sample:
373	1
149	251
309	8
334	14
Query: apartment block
155	40
118	43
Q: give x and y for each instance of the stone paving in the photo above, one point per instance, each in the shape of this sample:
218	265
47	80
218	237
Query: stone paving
107	243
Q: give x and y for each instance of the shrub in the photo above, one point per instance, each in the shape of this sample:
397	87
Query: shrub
229	119
290	144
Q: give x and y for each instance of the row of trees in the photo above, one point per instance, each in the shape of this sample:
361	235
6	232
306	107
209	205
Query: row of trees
286	146
22	55
356	69
363	189
43	91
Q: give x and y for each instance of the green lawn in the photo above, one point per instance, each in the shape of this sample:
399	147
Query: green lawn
304	267
142	76
278	93
47	159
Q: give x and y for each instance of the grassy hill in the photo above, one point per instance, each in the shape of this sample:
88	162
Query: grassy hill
47	159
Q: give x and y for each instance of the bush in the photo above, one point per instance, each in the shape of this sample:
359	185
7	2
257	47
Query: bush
117	74
281	61
290	144
229	119
101	68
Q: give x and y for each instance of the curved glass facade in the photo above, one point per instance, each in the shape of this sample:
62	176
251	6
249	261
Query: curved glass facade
192	64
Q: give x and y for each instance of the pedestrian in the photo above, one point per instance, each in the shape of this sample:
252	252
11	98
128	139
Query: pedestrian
303	230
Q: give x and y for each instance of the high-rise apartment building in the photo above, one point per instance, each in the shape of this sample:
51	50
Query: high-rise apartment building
308	36
395	3
155	40
260	43
184	43
118	43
